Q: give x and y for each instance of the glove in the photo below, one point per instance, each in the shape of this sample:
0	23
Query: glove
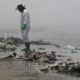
23	27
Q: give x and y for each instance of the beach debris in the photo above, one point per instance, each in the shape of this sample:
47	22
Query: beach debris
7	46
45	69
9	56
2	46
41	56
54	66
41	48
44	59
11	47
68	67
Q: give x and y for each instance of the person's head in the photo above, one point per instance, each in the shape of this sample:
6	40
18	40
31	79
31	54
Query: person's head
20	8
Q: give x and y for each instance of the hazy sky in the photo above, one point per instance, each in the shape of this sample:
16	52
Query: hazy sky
45	14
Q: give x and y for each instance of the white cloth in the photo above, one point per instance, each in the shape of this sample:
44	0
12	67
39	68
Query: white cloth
25	19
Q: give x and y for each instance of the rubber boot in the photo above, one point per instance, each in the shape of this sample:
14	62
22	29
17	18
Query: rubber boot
27	50
27	45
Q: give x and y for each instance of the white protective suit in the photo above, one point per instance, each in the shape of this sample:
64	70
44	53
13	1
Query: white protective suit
25	25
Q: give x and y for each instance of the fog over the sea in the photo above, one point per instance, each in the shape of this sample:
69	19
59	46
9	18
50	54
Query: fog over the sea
56	15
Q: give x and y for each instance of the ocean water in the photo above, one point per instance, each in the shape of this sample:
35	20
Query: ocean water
55	36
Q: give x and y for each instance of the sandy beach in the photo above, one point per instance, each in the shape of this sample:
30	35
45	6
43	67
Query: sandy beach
16	69
10	71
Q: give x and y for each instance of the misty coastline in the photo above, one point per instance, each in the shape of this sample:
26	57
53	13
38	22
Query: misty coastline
55	37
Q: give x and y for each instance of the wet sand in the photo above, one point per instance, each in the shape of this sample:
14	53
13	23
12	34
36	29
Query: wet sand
9	71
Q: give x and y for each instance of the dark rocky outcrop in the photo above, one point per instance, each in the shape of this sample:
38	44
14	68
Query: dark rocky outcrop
16	40
41	57
40	42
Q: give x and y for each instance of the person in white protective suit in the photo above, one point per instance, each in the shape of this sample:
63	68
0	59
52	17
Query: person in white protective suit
25	24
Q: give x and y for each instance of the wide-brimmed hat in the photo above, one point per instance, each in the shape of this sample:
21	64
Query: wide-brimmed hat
20	6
